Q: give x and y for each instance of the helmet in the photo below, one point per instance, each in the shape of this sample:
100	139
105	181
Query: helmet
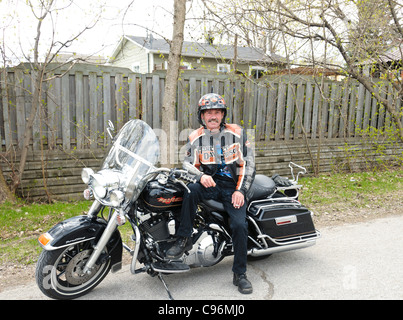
210	101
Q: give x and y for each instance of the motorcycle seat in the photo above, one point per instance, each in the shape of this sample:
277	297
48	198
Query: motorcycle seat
261	188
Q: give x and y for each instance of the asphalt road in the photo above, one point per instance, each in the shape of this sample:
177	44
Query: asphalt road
358	261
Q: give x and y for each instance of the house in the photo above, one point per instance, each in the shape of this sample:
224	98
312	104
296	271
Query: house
328	73
147	54
390	61
79	58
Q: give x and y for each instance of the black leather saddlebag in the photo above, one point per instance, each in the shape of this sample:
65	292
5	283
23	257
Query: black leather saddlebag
282	219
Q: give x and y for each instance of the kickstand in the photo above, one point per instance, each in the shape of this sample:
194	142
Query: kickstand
165	285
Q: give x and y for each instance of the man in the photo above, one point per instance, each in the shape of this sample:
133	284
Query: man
220	156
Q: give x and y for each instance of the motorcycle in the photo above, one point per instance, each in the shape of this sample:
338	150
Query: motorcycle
79	252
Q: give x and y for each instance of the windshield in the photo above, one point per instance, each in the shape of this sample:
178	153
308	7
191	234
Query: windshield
134	154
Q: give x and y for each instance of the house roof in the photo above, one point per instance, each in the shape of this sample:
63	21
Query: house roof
307	70
205	50
393	53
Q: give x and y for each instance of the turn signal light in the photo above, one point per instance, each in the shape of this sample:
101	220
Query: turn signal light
45	238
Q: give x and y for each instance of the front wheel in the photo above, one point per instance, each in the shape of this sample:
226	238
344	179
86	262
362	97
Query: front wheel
59	273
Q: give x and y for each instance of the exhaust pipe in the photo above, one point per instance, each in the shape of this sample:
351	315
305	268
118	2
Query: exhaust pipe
263	252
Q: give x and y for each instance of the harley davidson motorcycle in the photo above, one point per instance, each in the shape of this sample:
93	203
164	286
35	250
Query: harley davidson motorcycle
79	252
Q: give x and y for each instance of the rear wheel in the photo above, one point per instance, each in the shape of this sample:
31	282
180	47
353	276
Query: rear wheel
59	273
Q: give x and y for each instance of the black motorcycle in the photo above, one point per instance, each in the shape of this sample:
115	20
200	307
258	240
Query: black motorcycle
80	251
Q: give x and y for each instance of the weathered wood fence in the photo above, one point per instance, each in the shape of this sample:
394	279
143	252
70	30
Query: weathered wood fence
76	107
63	169
286	114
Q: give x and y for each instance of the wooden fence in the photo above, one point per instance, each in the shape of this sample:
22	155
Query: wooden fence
63	178
75	107
69	130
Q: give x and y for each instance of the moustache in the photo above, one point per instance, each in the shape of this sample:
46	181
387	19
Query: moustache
213	120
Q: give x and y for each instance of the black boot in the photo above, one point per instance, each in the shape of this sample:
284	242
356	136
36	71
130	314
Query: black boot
180	246
243	284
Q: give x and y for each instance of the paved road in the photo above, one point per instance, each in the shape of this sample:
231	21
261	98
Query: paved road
359	261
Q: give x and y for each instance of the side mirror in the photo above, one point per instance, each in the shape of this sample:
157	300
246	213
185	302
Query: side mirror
110	128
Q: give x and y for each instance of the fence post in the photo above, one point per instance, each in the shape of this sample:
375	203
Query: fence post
5	102
271	111
280	111
134	112
80	123
20	105
79	104
119	100
65	111
93	109
289	110
237	102
360	107
308	109
156	101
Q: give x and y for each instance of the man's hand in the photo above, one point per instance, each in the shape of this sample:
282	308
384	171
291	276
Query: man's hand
207	181
238	199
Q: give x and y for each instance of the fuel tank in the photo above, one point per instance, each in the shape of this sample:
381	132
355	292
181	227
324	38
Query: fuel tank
159	197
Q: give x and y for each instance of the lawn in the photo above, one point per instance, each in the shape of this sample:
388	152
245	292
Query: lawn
22	223
353	190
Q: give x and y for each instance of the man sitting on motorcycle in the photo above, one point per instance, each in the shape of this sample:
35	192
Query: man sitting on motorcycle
221	157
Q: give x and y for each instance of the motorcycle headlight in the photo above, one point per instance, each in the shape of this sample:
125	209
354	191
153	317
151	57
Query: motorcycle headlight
98	184
116	198
85	175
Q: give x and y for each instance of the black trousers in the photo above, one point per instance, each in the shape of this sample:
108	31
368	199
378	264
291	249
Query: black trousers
221	192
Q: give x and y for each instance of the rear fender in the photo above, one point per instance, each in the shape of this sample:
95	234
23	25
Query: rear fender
80	229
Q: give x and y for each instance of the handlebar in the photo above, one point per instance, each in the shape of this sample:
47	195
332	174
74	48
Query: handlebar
184	175
176	175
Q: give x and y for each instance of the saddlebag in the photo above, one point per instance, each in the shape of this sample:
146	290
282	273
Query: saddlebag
283	220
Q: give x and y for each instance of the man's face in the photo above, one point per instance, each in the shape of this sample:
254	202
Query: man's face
212	118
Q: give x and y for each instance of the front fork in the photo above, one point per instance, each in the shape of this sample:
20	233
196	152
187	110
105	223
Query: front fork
106	235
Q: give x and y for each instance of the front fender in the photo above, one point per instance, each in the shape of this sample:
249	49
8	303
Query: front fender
79	229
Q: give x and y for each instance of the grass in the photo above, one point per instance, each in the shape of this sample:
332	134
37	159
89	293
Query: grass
352	190
22	223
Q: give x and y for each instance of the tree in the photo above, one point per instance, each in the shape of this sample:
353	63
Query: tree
359	32
174	58
330	17
42	12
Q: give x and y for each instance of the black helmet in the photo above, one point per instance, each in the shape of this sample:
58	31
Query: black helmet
211	101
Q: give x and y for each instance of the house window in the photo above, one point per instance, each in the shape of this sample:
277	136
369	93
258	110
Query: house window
257	72
186	66
136	67
223	67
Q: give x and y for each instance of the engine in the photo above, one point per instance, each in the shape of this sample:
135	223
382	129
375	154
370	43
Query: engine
160	209
206	251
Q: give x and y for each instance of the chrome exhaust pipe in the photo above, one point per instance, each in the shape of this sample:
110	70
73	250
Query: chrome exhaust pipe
136	249
255	252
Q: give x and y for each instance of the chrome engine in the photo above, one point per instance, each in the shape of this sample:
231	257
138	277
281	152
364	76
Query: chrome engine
203	252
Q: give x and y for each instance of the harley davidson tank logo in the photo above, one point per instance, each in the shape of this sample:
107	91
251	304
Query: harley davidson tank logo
170	200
